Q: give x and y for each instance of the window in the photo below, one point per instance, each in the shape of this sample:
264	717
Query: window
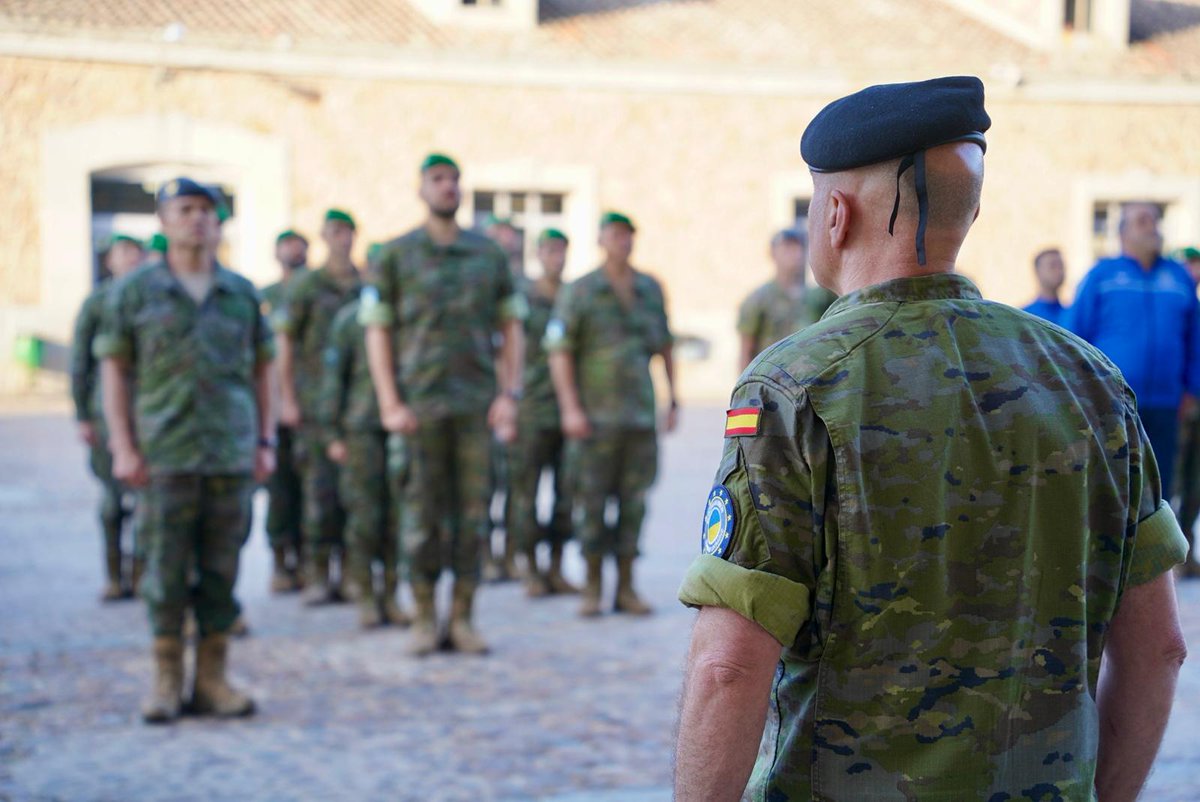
800	215
1106	217
1077	15
530	212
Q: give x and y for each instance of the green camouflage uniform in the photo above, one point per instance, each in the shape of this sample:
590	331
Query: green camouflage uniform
935	514
85	392
611	347
349	411
539	445
771	313
443	305
1187	473
311	302
284	496
195	417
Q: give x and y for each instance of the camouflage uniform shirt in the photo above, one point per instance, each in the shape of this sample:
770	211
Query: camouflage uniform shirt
348	402
612	346
935	508
771	313
85	368
193	368
274	295
539	407
443	304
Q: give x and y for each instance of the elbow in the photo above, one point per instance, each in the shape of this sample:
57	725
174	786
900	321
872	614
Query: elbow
719	672
1174	652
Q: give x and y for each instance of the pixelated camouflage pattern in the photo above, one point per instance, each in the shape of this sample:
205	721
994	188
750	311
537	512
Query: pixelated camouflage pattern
537	450
285	496
956	486
85	367
192	368
347	401
444	305
371	506
274	295
771	313
324	515
614	464
1187	472
539	406
311	302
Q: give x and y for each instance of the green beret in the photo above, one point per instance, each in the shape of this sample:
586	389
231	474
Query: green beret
1188	254
157	243
290	234
115	238
493	220
434	159
551	233
337	215
608	218
373	251
223	211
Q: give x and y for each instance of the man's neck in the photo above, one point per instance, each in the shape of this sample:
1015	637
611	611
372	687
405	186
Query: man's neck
790	282
340	265
860	273
617	268
1145	261
442	230
290	271
548	286
1049	297
185	259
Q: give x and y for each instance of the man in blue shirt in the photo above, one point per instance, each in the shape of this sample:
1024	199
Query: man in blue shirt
1050	271
1140	309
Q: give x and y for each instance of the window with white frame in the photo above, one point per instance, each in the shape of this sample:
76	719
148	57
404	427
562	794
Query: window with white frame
1106	219
529	211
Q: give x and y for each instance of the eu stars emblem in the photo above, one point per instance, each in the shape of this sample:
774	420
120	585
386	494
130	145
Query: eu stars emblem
718	522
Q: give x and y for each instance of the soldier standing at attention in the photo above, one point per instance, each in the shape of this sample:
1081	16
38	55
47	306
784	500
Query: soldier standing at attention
284	508
606	327
435	301
186	358
933	517
539	445
1051	272
311	303
783	305
122	257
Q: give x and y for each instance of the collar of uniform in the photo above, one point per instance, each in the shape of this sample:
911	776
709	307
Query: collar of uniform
458	246
223	279
1159	262
939	287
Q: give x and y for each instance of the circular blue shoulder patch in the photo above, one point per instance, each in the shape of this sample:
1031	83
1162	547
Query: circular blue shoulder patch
716	531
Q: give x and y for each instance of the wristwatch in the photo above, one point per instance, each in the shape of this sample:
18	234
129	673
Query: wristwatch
267	442
515	395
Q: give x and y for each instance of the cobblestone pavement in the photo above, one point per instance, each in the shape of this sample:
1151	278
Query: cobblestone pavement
564	709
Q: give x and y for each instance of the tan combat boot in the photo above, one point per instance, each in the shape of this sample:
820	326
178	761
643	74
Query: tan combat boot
112	570
591	592
535	584
135	575
212	693
393	613
554	577
239	628
627	598
509	560
316	585
424	637
282	580
463	637
163	705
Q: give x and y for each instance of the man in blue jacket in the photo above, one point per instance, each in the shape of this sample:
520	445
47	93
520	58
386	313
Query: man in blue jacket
1140	309
1051	272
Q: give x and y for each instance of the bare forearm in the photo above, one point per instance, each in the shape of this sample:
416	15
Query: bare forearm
562	373
287	370
749	347
379	361
1134	708
115	396
512	357
263	395
668	357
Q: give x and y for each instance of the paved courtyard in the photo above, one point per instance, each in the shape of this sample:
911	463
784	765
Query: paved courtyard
563	710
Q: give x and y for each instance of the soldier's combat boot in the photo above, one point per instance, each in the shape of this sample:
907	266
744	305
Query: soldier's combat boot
112	570
509	560
239	628
163	704
627	599
369	614
535	583
212	693
554	577
591	592
316	585
135	575
393	613
282	580
424	637
463	637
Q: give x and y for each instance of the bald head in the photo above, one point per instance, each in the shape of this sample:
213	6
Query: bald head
849	242
1139	232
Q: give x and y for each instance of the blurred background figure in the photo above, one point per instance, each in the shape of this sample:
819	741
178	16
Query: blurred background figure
1140	309
783	305
285	531
1050	272
606	328
1187	477
122	568
303	325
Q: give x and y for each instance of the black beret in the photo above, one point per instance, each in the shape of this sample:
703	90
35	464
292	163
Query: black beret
891	121
183	187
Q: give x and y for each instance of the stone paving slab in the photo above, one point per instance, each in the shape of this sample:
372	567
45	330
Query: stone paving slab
564	710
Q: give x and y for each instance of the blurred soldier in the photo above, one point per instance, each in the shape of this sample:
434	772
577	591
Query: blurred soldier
501	231
606	327
186	350
311	303
783	305
934	517
1187	483
285	509
123	255
436	299
539	445
1050	271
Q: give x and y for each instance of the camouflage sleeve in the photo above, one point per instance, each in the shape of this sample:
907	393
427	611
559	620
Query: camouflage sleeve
1158	543
335	381
666	337
116	340
763	535
749	322
290	316
83	362
264	336
511	302
379	295
562	332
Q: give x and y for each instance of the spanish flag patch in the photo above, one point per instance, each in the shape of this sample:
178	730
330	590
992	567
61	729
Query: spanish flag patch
742	422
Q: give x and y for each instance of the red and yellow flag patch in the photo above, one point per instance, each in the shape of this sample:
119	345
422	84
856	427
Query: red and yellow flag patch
742	421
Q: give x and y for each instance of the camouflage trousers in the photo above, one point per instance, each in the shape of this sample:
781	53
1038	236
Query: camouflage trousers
112	506
537	451
324	516
371	505
284	510
613	465
447	489
1187	475
193	528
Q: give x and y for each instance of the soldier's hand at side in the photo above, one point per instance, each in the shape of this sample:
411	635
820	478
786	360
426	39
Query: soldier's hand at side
399	419
575	424
264	463
87	433
336	451
502	417
129	467
289	413
671	419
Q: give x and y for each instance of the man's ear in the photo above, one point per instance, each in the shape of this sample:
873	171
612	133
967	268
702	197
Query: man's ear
838	218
